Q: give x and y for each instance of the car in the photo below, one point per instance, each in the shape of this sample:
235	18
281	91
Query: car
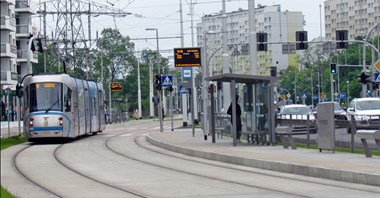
298	113
366	112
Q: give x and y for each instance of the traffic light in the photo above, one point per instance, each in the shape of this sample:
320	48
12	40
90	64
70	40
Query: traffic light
333	68
158	82
19	90
364	78
40	45
273	71
375	86
260	39
301	37
341	37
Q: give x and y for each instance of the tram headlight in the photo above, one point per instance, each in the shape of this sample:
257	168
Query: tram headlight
30	122
60	121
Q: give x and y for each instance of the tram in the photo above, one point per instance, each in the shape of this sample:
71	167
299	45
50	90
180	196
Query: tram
59	106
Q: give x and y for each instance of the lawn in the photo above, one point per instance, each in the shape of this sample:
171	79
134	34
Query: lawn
5	143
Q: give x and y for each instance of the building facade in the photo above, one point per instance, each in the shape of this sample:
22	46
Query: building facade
16	27
280	26
356	16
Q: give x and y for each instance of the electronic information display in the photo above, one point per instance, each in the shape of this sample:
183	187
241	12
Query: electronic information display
187	57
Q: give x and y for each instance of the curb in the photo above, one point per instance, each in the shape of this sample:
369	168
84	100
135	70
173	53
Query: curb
298	169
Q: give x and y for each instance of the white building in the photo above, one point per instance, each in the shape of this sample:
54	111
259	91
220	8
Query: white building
16	27
280	26
356	16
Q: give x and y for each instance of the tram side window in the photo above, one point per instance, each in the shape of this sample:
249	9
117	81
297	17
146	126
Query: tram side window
67	98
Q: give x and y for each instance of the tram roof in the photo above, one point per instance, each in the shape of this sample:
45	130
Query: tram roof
241	78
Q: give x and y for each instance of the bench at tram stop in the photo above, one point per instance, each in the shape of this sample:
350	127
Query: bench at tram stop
285	133
365	135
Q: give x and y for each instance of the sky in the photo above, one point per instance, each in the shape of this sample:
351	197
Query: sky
164	15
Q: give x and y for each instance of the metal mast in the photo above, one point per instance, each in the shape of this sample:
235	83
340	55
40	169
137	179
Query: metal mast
69	32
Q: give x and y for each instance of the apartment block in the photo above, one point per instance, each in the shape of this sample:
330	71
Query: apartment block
356	16
280	26
16	27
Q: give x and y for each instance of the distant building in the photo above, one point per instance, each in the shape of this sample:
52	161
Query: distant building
358	17
16	27
279	25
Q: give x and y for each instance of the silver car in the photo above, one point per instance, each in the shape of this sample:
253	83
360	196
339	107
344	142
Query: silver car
366	112
298	114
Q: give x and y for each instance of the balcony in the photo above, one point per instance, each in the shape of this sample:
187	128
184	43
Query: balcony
8	23
8	78
23	30
8	50
22	56
25	6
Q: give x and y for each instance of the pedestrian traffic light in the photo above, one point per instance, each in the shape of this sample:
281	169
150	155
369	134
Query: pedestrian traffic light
301	37
341	37
260	39
158	82
333	68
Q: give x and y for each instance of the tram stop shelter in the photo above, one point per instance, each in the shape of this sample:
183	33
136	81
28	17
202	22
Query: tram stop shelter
258	104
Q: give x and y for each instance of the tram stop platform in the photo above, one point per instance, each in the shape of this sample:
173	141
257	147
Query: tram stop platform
347	167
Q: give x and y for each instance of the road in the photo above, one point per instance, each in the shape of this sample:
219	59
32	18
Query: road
121	163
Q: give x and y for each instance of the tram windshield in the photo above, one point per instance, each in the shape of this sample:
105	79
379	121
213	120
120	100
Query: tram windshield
45	97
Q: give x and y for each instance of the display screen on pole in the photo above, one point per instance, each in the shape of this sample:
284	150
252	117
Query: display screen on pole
187	57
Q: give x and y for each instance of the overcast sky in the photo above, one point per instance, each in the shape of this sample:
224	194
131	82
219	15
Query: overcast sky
164	15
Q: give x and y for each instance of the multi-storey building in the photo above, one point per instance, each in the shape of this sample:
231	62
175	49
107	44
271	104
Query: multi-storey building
280	26
16	27
356	16
8	44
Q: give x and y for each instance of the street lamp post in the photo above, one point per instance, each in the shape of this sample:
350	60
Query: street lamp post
159	70
348	92
138	87
364	86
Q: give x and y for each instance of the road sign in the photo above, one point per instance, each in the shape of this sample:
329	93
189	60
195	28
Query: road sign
304	96
167	81
187	72
377	65
288	95
183	90
376	78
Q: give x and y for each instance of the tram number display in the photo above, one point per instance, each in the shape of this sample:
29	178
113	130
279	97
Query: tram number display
116	86
187	57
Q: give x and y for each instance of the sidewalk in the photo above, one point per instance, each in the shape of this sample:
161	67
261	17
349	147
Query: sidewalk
348	167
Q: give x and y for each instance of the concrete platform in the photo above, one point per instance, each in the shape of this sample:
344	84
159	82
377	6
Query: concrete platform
348	167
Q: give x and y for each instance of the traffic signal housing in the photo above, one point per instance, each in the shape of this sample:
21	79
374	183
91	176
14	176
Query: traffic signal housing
301	37
364	78
333	68
158	82
341	37
260	39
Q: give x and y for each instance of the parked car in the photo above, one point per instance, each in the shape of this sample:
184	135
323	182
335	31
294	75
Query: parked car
366	112
298	113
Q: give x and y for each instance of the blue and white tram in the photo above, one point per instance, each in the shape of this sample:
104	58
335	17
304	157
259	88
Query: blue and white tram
59	106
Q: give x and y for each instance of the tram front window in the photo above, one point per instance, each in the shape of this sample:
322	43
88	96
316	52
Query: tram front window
45	97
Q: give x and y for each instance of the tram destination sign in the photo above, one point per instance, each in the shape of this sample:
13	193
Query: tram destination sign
187	57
